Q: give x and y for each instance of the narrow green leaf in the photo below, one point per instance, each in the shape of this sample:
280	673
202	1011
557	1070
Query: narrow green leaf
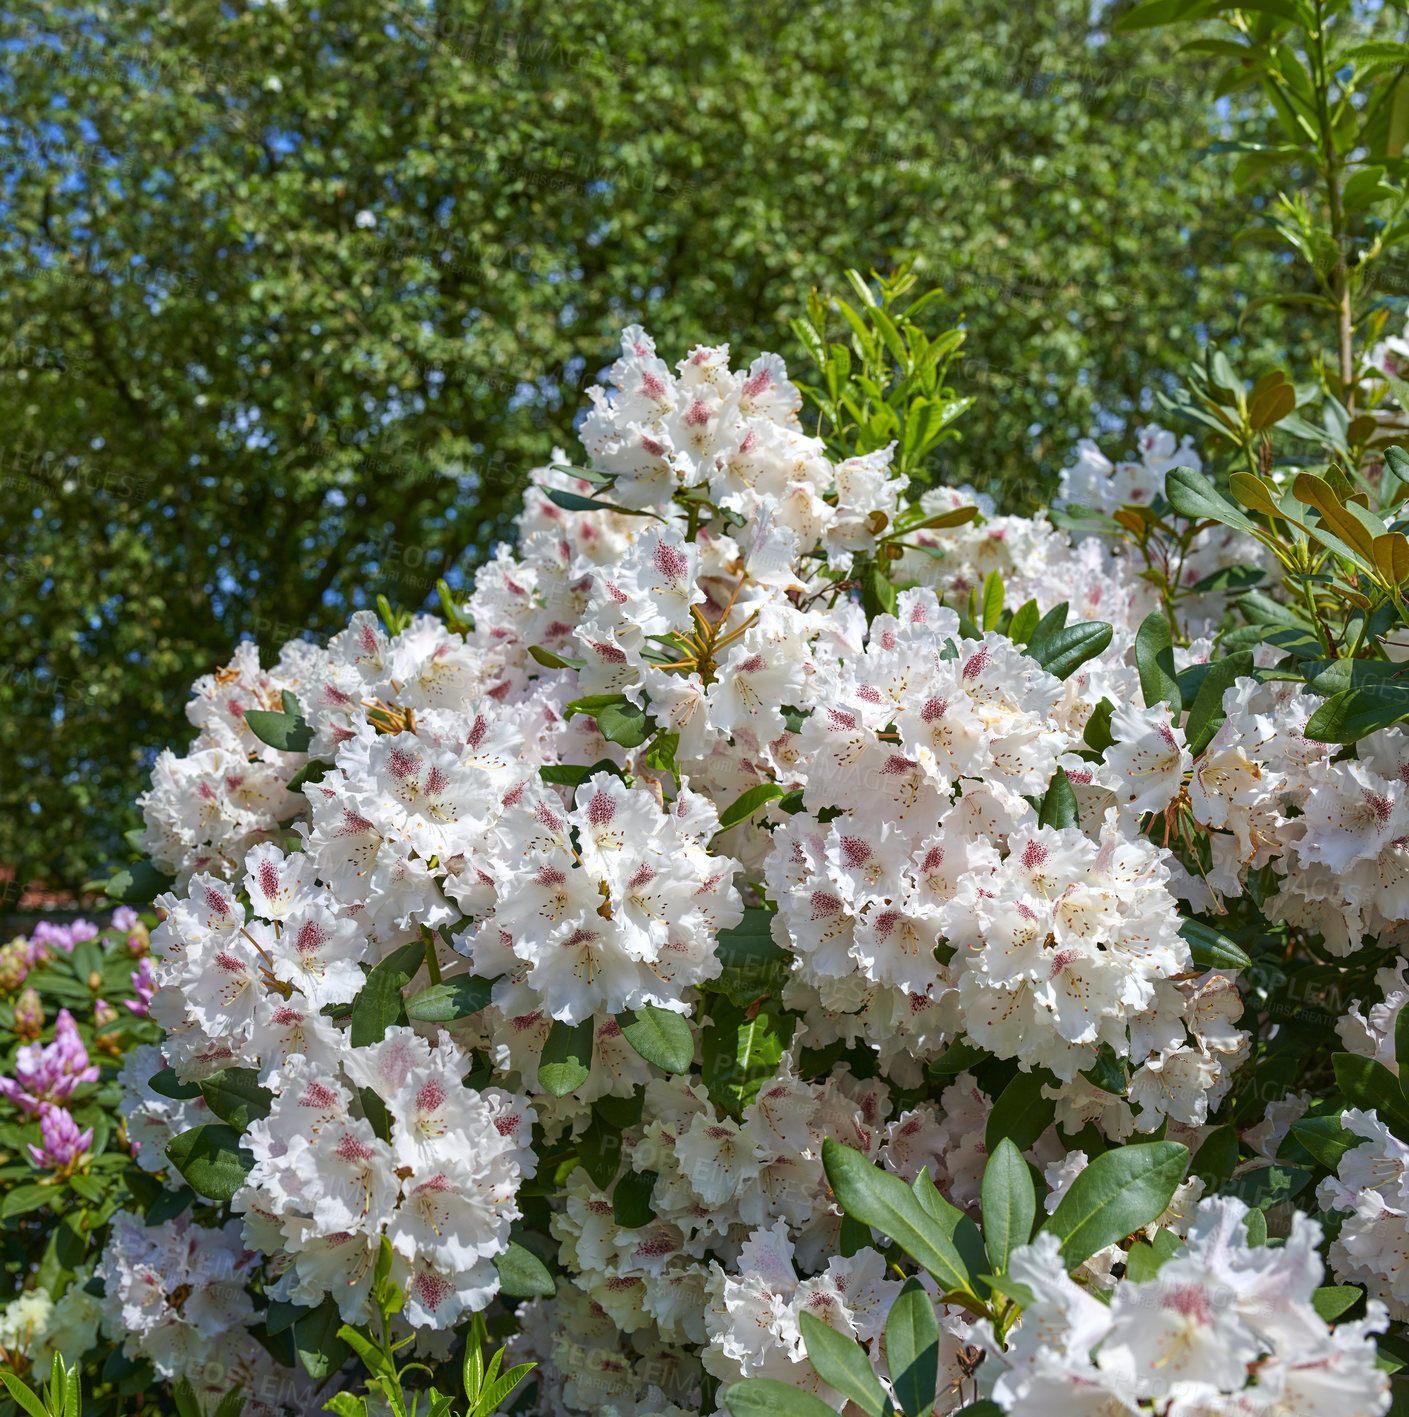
1059	803
885	1202
1192	495
575	502
992	600
747	803
842	1362
1206	713
912	1349
1009	1204
1024	622
166	1083
1154	654
25	1399
741	1048
1020	1112
1325	1138
1212	949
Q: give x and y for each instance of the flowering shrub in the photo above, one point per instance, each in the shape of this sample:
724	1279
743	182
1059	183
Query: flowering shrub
785	936
73	1002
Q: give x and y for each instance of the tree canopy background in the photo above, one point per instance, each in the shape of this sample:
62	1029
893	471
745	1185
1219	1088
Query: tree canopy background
294	294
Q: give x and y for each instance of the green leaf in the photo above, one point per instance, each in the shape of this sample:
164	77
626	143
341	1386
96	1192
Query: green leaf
281	1316
1217	1158
1212	949
1009	1204
753	963
522	1275
625	724
379	1005
316	1341
551	659
1020	1111
886	1203
166	1083
1192	495
955	1226
211	1158
1154	654
1063	652
740	1052
492	1398
346	1405
1206	713
1059	803
912	1349
767	1397
1332	1300
20	1200
599	1151
992	601
236	1097
1143	1259
457	998
1269	1186
1354	714
631	1199
1097	733
1156	13
1024	622
1397	460
842	1362
138	884
593	704
660	1036
1370	1085
567	1057
747	803
286	730
1120	1192
575	502
1325	1138
29	1403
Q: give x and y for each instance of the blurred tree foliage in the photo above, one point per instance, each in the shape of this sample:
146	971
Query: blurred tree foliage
294	293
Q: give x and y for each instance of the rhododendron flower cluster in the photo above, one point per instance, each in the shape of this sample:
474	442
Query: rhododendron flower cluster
1223	1327
676	850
